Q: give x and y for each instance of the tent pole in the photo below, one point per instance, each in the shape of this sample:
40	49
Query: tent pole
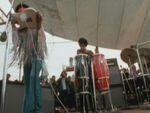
5	62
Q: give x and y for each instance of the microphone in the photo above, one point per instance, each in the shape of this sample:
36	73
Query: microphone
3	37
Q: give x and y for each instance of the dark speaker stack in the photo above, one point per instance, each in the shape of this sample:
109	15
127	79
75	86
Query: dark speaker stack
116	86
14	98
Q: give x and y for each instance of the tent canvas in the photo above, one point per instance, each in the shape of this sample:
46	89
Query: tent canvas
114	24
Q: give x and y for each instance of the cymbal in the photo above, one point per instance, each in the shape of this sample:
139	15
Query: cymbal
144	52
129	55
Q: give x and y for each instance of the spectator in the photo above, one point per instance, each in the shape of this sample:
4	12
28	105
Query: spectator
71	96
54	83
63	88
8	77
55	86
133	72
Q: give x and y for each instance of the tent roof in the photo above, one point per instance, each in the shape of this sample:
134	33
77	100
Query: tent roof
113	24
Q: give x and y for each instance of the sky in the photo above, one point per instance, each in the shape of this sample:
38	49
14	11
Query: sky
59	52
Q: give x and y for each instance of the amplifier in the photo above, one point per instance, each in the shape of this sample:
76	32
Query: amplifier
115	75
14	98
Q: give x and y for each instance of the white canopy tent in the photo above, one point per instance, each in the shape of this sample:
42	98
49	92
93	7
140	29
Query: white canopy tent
112	24
56	57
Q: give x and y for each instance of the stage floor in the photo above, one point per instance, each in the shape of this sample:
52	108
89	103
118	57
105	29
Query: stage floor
123	111
135	111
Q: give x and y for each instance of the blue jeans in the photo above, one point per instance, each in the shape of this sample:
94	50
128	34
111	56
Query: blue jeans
32	89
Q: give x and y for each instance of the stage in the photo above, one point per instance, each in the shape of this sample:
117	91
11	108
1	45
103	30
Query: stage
135	111
123	111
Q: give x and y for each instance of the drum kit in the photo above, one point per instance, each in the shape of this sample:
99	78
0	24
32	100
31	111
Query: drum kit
138	86
90	74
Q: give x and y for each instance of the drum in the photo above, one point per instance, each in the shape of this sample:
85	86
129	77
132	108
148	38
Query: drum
101	72
81	66
82	72
83	81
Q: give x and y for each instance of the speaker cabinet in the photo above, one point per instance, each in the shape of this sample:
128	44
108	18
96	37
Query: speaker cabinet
116	87
14	99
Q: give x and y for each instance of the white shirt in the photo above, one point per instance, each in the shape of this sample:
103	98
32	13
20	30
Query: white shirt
64	84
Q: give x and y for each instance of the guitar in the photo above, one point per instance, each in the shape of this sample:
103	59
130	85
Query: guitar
29	18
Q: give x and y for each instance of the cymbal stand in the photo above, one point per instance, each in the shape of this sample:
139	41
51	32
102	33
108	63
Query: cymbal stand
136	92
141	67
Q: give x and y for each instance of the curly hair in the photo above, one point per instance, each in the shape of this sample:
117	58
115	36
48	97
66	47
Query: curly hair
83	41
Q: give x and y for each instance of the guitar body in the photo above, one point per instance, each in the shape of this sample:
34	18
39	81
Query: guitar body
27	19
